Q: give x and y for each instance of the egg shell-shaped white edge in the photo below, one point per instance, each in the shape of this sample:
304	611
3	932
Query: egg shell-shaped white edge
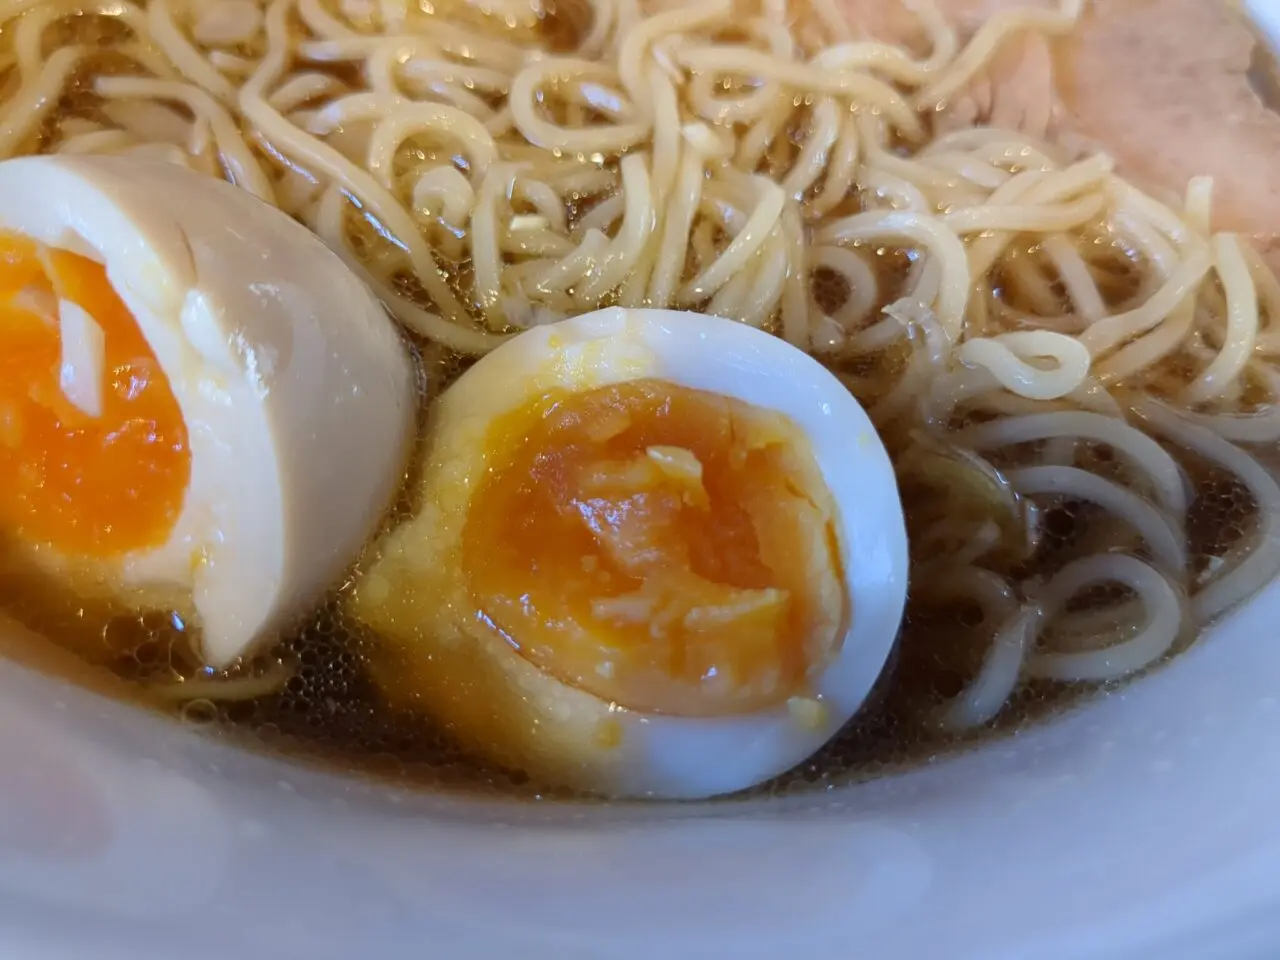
297	390
664	756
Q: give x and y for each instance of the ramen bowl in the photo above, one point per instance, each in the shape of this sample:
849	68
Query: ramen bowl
1138	823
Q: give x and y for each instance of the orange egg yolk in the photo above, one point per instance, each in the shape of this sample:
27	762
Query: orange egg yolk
668	549
92	486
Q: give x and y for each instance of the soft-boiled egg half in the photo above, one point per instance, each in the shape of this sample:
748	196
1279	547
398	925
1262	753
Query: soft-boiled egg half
655	554
200	406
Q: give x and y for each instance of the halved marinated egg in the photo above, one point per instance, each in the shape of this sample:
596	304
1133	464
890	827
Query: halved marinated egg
655	554
200	406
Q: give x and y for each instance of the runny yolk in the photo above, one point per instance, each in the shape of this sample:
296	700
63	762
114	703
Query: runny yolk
667	549
90	486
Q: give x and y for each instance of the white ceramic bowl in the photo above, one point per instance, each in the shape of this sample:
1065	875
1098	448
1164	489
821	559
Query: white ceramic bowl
1144	825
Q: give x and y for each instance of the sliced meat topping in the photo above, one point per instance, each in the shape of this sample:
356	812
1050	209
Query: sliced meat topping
1172	89
1164	86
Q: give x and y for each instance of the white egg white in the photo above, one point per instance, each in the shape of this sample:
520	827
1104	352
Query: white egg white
297	391
558	732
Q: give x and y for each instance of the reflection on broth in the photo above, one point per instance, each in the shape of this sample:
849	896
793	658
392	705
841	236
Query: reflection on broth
1067	350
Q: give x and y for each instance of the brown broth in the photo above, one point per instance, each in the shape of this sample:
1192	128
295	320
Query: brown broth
329	713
